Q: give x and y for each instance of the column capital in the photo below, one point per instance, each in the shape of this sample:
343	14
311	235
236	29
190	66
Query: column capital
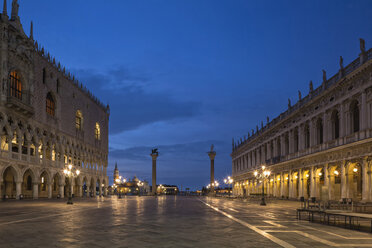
154	156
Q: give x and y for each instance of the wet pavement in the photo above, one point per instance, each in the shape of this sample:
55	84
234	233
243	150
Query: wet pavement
165	222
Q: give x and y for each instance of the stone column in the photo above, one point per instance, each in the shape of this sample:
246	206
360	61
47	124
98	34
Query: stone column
282	181
343	180
80	190
88	189
326	180
50	190
35	191
212	155
18	189
326	130
291	142
290	184
100	190
312	182
62	190
28	144
154	157
10	145
365	179
300	182
19	141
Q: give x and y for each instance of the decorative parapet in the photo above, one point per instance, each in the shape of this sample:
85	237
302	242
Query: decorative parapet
354	65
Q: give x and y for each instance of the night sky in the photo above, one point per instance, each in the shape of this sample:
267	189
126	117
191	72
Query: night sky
184	74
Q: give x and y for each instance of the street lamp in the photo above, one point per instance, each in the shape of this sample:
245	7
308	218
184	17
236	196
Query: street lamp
262	174
229	181
139	184
70	172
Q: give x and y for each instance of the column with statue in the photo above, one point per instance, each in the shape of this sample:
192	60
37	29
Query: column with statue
154	155
212	155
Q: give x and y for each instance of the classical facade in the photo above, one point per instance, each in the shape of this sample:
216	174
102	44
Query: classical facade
320	147
48	120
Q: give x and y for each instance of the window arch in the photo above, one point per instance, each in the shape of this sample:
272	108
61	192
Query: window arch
50	104
97	132
354	114
335	119
15	85
319	131
295	138
79	120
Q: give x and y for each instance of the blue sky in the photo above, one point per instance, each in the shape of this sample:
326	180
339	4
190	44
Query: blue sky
183	74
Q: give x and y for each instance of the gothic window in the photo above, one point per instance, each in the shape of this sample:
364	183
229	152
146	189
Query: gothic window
79	120
58	85
319	131
44	76
15	85
335	125
354	112
50	104
97	132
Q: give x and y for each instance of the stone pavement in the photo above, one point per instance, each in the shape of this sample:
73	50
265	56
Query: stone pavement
165	222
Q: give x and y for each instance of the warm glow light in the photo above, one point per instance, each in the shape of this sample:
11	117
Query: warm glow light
42	180
255	173
263	167
286	178
307	175
271	180
278	178
355	169
320	174
336	172
65	171
225	181
77	172
296	176
70	166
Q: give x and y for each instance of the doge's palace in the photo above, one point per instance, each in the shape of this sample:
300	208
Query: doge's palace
48	120
320	147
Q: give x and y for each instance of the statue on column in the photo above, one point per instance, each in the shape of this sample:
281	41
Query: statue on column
341	63
324	76
362	45
289	103
299	96
311	86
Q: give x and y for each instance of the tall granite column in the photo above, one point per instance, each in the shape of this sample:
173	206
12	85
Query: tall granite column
212	155
154	156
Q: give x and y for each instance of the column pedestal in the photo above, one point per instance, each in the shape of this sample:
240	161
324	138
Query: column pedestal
154	156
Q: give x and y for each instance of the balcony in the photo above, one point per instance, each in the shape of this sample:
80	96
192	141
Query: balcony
20	104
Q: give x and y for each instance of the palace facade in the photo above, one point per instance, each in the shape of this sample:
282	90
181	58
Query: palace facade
320	147
48	120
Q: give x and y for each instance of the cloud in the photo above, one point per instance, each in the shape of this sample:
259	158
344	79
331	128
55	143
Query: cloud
131	104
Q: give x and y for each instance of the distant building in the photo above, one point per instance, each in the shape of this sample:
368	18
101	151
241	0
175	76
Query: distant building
164	189
320	147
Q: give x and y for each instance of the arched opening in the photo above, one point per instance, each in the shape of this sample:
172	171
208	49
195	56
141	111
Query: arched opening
50	105
9	185
355	181
295	185
334	187
279	147
306	184
307	136
295	139
27	185
354	113
67	187
15	85
55	187
98	186
286	144
335	120
320	192
43	185
319	131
